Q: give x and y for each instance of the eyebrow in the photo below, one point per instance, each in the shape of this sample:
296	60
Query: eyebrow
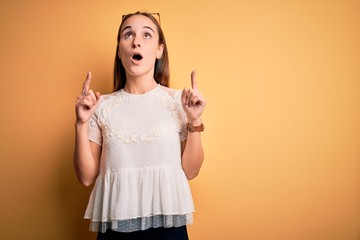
129	27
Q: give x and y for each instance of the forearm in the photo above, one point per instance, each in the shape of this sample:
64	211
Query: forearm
85	163
193	155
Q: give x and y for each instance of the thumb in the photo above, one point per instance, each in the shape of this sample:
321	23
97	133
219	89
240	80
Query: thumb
193	81
97	95
183	95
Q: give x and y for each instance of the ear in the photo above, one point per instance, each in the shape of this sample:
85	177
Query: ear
160	51
118	53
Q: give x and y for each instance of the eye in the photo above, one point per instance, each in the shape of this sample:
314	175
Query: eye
128	34
147	35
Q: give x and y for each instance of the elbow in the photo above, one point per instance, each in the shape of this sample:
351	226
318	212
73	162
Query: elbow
85	178
191	173
192	170
86	182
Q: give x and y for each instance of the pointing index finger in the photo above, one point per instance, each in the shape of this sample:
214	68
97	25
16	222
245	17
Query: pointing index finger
193	81
86	85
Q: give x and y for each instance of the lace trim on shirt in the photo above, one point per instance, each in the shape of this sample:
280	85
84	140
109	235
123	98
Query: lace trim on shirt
120	97
144	223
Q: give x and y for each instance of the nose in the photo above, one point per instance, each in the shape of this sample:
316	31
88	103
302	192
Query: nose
136	45
136	42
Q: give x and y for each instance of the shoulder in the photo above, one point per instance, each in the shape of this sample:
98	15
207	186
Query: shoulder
107	97
105	100
174	93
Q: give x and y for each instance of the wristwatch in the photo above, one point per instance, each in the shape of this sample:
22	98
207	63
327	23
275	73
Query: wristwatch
191	128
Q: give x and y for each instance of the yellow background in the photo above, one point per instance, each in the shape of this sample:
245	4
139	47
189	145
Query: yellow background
282	138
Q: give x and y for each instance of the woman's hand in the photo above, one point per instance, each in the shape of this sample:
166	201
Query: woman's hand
193	102
86	102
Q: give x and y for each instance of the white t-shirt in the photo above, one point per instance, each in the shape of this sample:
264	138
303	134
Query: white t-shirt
140	179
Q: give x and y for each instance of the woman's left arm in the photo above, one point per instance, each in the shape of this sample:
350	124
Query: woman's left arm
192	151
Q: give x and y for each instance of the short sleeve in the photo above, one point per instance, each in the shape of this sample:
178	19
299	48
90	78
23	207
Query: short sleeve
182	117
95	130
183	133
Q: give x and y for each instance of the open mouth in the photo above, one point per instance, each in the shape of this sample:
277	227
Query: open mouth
137	57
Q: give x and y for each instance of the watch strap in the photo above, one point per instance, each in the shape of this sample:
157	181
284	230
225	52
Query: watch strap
191	128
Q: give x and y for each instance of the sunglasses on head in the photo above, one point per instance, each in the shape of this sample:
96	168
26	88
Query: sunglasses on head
155	15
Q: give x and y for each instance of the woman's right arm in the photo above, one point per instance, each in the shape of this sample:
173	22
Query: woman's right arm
87	153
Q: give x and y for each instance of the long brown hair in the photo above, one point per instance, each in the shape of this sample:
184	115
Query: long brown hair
161	71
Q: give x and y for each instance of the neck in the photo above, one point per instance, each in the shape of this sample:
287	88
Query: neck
139	85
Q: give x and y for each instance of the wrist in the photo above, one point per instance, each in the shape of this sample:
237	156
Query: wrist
79	124
195	126
195	122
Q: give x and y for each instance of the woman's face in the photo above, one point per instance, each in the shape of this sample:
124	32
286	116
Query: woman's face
139	46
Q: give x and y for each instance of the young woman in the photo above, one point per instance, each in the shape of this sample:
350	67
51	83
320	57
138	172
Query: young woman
140	144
